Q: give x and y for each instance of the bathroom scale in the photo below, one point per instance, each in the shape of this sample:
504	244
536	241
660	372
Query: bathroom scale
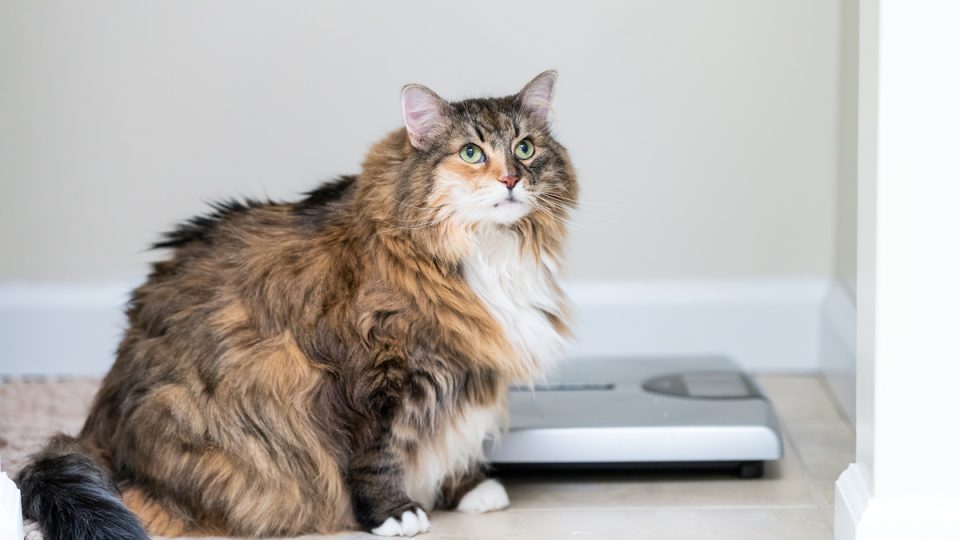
675	413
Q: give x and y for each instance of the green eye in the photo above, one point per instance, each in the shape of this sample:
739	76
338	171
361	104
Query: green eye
471	153
524	149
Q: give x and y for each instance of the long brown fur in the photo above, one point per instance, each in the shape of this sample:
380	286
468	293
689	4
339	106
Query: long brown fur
284	364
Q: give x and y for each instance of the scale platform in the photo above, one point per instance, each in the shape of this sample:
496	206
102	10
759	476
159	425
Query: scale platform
641	412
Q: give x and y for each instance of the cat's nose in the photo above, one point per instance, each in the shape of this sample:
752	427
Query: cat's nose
509	180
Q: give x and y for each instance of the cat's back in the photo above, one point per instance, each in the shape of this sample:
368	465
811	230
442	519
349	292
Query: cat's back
259	225
241	243
246	271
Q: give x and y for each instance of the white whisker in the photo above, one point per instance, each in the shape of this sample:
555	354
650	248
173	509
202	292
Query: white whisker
567	221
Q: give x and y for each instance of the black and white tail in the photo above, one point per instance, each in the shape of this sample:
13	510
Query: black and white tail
71	497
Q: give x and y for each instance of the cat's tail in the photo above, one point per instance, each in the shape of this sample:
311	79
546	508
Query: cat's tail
72	497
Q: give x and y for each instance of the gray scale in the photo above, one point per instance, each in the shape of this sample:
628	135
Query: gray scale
640	411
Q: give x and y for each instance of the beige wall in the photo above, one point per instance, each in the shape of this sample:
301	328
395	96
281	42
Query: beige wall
705	132
845	257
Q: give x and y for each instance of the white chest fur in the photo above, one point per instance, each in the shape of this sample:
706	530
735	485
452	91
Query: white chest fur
517	289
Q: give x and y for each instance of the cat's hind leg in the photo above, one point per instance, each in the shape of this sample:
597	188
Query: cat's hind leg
158	519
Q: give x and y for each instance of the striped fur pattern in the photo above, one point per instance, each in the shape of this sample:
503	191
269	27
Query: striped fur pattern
336	362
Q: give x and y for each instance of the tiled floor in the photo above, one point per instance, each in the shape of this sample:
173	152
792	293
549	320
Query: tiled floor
793	501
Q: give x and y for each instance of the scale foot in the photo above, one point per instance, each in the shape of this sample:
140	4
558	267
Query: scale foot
750	469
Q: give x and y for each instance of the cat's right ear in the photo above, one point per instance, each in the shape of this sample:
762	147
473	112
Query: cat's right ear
538	93
424	114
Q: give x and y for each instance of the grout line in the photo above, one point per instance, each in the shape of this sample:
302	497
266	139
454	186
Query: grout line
842	416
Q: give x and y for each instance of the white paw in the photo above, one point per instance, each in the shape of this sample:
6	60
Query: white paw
488	496
411	523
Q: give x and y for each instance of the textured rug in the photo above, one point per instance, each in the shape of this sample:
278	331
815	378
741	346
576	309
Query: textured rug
31	410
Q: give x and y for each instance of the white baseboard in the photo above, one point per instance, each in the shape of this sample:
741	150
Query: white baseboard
862	516
62	329
763	325
838	346
73	329
851	495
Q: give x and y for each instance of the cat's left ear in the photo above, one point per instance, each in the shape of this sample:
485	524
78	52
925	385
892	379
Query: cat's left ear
424	114
538	93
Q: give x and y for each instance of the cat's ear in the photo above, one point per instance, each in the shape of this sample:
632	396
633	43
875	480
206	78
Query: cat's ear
538	93
424	114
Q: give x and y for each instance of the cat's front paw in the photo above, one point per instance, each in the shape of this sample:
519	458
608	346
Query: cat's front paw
487	496
411	523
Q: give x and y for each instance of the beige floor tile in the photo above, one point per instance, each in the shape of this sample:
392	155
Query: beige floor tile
622	524
769	524
648	524
823	438
825	453
801	400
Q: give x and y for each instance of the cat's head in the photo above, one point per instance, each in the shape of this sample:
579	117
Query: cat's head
485	161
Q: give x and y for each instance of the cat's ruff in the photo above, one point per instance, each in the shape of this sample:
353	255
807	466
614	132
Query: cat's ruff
521	291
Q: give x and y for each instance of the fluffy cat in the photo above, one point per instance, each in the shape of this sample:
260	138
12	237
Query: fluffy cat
337	362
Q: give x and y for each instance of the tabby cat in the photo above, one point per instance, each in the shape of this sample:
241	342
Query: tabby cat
337	362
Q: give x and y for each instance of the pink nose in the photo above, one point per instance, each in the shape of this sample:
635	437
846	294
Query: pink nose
509	181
